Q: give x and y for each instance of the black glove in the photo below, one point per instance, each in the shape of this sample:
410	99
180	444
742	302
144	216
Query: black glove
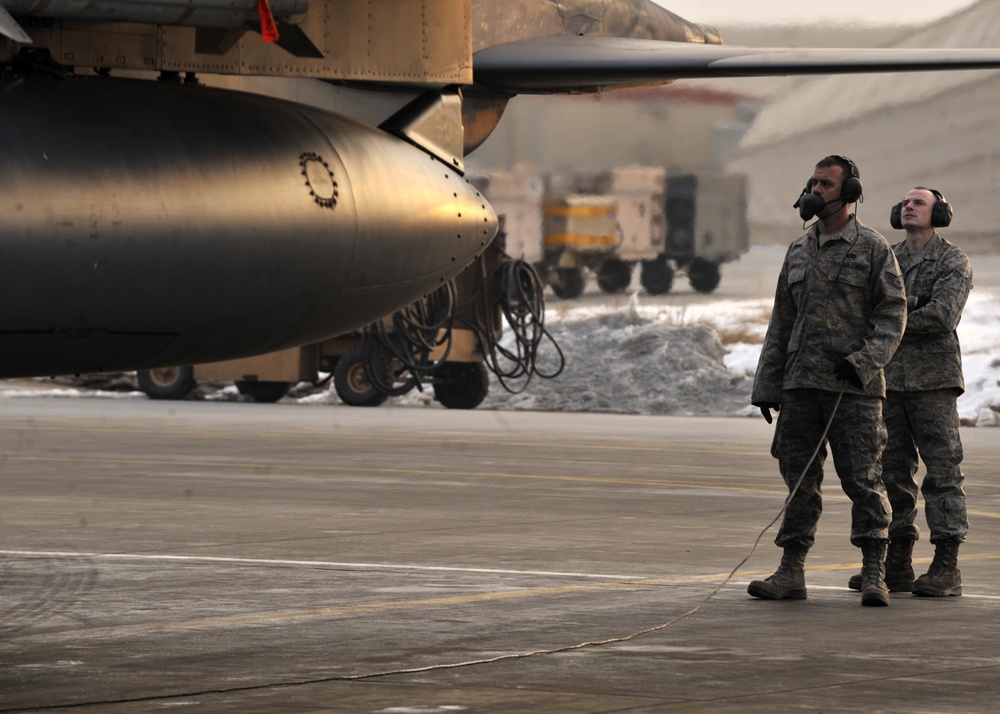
845	370
766	408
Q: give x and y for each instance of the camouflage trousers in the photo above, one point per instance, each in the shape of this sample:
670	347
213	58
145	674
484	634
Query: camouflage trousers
925	422
856	438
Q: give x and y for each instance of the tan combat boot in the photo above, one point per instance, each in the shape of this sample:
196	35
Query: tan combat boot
943	577
873	590
898	568
788	582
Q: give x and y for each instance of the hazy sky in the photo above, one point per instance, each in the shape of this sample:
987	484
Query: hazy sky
843	12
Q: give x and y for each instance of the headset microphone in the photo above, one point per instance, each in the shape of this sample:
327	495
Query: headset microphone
809	204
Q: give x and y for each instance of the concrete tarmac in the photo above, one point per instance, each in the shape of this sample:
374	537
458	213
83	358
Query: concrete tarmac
226	557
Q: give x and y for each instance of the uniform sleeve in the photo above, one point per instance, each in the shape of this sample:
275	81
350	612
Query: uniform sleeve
888	317
942	312
770	374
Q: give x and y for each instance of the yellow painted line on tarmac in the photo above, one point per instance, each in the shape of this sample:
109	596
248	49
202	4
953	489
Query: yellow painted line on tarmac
453	439
778	488
448	601
711	579
334	611
359	469
477	598
984	514
854	566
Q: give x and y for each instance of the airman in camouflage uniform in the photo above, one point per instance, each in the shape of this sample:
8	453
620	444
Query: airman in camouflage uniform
839	314
924	379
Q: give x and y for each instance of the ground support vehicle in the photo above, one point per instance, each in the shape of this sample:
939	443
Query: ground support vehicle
608	223
640	194
672	223
706	225
449	340
580	231
518	199
550	224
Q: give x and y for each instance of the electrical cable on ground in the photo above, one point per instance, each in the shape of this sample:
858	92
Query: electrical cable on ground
499	658
648	630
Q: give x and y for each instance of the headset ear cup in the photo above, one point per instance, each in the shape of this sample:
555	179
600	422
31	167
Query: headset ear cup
941	214
850	190
896	216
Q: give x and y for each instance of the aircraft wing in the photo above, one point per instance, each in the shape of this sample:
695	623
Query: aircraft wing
572	63
10	28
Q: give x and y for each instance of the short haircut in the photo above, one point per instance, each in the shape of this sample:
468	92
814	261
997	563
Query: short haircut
849	167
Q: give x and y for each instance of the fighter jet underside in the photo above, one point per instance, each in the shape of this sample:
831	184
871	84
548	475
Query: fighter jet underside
154	223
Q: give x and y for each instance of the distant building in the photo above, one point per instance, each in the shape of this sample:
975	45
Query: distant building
938	129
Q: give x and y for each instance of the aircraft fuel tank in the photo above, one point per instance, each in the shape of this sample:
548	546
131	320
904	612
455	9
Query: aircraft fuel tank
195	225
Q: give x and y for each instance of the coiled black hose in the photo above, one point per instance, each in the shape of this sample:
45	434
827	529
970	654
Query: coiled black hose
418	330
516	289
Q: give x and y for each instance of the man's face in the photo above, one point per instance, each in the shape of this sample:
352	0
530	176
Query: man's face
917	207
826	184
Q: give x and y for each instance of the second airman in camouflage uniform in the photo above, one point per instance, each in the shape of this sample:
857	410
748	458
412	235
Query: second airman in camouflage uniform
924	379
839	313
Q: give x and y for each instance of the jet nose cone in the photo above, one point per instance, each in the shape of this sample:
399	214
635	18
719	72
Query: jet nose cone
477	222
420	223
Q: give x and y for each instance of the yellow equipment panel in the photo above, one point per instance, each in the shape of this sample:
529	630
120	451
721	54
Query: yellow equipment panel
582	223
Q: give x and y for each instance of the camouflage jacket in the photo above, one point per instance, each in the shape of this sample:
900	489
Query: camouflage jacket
929	357
838	298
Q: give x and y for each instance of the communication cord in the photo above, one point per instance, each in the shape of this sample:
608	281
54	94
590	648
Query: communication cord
648	630
487	660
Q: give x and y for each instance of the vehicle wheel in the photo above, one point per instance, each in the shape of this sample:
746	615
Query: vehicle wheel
263	392
656	277
569	283
461	385
351	381
166	382
703	275
614	275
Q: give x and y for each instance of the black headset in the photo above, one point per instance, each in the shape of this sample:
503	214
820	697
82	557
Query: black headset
940	215
850	190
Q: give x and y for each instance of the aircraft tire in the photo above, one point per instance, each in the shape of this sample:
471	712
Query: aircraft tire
166	382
